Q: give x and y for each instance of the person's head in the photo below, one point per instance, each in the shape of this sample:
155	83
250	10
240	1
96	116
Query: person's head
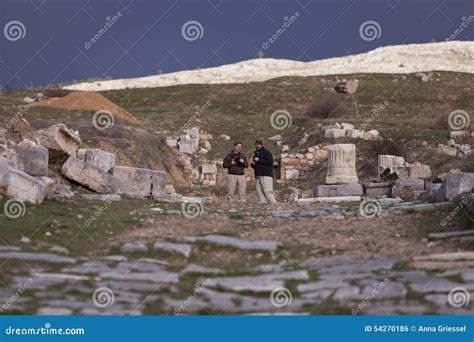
237	146
258	144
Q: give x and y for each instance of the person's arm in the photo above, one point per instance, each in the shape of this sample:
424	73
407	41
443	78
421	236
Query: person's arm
267	158
227	164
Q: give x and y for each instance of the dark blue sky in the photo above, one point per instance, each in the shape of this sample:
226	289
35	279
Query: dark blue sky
147	37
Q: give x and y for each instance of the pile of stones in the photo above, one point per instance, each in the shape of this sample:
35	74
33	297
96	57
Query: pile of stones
456	149
299	166
45	163
346	130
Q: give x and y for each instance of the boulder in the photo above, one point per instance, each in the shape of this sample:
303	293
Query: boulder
158	183
25	188
371	135
137	182
87	175
408	189
354	133
172	142
335	133
59	140
449	150
187	146
457	184
434	192
348	87
32	160
336	190
102	160
378	189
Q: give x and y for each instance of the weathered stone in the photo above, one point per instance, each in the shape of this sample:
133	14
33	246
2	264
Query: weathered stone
209	168
4	175
371	135
158	183
87	175
342	164
292	174
419	171
449	150
59	140
330	199
320	155
348	87
102	160
172	142
25	188
180	248
354	133
234	242
378	189
390	162
187	146
132	181
32	160
408	189
51	258
354	189
434	192
129	247
335	133
456	184
152	277
102	197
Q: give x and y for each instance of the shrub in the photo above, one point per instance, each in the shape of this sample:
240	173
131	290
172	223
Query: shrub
56	92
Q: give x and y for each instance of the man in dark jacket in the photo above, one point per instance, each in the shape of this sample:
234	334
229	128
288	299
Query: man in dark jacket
236	163
262	163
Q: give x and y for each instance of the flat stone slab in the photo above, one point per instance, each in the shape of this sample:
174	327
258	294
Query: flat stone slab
47	257
133	248
330	199
154	277
222	240
102	197
259	283
337	190
197	269
32	160
180	248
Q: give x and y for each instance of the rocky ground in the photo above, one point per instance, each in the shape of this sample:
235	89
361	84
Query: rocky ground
233	258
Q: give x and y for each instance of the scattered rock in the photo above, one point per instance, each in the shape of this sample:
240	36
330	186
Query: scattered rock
348	87
102	197
456	184
180	248
129	247
234	242
25	188
87	175
32	160
102	160
408	189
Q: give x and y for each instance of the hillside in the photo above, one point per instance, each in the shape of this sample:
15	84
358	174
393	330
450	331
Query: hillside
399	59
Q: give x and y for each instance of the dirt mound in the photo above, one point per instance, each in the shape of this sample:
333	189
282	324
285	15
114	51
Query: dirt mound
87	100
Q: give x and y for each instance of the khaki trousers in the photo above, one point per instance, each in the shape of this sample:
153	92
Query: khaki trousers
265	189
236	182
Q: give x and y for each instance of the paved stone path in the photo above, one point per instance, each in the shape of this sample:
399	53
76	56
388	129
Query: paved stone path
49	284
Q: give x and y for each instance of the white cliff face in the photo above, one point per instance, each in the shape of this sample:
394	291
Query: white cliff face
453	56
